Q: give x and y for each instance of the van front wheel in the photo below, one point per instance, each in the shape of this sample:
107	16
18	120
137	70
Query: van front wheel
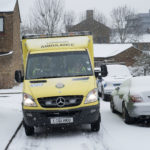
95	126
28	130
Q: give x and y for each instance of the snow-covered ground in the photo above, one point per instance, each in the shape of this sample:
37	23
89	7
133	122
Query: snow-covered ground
10	113
113	135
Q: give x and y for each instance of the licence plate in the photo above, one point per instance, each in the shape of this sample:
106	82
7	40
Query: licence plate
61	120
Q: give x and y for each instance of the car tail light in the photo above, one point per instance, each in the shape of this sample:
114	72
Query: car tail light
135	98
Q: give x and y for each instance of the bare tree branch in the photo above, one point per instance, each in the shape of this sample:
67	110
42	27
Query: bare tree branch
120	16
100	17
69	19
46	16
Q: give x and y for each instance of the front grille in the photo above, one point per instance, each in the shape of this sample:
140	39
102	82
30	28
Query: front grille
60	114
116	84
53	102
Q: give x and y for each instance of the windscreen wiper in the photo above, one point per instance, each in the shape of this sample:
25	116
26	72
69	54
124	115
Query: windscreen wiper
47	77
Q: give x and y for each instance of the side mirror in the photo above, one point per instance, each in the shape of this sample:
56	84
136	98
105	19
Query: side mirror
104	71
18	76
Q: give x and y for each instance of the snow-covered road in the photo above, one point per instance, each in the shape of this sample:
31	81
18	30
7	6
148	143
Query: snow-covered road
120	136
113	135
74	139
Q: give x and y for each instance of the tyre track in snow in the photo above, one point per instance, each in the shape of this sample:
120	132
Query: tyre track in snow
81	139
8	94
97	139
88	140
105	135
13	136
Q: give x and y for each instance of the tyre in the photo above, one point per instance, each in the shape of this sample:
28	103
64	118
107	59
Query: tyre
112	107
96	125
105	97
127	119
102	94
28	130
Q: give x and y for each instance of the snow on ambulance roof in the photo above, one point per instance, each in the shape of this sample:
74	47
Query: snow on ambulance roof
57	43
7	5
109	50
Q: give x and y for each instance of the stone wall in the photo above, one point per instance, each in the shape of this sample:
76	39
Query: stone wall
10	41
6	37
128	57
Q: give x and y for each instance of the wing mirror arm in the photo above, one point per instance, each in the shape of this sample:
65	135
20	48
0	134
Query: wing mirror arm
118	88
98	74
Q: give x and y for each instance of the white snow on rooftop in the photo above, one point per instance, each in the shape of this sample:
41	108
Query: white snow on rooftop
109	50
7	5
145	38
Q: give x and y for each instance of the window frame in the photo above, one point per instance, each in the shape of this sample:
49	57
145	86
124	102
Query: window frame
1	17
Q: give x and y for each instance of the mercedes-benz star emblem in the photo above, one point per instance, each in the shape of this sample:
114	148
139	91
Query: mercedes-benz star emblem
60	101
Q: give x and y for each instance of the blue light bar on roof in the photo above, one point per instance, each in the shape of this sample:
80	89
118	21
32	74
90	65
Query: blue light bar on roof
68	34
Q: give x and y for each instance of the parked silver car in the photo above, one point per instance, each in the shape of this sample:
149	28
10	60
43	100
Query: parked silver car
132	99
116	75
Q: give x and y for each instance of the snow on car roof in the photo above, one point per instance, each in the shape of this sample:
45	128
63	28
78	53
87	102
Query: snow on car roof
7	5
109	50
118	70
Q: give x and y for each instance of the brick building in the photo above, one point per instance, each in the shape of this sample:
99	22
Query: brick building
101	33
144	46
10	47
143	43
116	53
141	21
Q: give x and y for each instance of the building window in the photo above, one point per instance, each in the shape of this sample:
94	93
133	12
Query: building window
145	46
1	24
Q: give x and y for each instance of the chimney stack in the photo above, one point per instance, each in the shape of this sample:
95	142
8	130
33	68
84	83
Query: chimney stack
89	14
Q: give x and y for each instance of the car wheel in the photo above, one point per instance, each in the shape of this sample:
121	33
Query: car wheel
112	107
127	119
28	130
103	95
96	125
106	97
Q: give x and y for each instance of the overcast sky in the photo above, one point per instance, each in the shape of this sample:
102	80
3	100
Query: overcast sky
80	6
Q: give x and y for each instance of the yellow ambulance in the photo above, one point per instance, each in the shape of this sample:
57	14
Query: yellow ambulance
59	83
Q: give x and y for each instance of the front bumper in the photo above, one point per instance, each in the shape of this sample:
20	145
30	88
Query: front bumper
139	110
84	115
108	91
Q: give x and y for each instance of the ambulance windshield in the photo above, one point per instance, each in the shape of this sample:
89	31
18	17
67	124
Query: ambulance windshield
58	64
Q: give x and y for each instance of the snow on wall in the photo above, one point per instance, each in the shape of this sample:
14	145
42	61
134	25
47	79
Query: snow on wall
7	5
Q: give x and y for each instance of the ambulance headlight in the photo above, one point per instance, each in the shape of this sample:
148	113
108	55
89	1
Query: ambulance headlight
28	100
92	96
